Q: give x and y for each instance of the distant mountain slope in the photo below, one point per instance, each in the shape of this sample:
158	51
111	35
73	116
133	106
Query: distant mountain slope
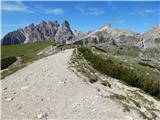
15	37
152	37
62	33
109	35
43	31
78	34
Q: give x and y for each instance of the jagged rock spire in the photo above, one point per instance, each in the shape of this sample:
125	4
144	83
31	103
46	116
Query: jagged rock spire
65	24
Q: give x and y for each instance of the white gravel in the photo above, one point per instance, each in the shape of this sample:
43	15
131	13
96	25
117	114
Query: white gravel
48	89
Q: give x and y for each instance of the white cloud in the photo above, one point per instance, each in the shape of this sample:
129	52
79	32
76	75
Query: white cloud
90	11
17	6
55	11
145	12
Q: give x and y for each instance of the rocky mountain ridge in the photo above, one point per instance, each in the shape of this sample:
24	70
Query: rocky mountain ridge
111	36
108	35
62	34
43	31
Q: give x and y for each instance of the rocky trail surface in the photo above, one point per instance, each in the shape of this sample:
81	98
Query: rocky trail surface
48	89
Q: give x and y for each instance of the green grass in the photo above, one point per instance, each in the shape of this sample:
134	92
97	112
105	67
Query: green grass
26	51
117	96
136	77
69	46
5	62
93	79
131	51
126	108
105	83
152	53
82	66
149	65
11	70
136	103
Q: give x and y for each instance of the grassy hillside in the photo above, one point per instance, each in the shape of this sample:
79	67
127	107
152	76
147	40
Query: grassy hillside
130	51
132	73
26	51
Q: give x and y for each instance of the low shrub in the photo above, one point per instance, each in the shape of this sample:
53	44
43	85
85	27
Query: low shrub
106	83
6	62
148	65
117	69
93	80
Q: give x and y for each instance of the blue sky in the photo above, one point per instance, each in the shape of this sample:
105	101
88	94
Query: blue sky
84	16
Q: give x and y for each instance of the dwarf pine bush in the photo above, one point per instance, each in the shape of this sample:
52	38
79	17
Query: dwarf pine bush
117	69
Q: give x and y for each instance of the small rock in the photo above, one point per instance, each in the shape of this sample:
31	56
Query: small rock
62	82
98	89
5	88
9	99
41	115
39	53
25	87
96	96
19	107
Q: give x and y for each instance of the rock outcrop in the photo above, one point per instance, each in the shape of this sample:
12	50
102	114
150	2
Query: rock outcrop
151	38
43	31
15	37
78	34
64	34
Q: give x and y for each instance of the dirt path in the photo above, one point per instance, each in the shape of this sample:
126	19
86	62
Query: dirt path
48	89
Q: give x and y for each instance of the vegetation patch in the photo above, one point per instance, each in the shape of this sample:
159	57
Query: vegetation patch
136	103
69	46
93	79
119	50
11	70
148	65
116	68
28	53
105	83
118	97
84	67
126	108
5	62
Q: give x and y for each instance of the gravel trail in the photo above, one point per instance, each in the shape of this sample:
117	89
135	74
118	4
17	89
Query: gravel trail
48	89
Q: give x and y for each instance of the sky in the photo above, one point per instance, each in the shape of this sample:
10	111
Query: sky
83	16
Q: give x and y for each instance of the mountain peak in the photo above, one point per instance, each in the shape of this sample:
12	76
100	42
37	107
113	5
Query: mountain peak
43	31
43	22
106	26
65	24
31	25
